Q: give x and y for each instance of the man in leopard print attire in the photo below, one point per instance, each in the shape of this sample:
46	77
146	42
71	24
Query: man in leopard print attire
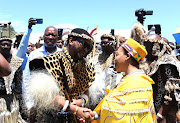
71	72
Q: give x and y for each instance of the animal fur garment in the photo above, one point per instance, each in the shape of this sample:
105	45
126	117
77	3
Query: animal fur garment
138	32
42	89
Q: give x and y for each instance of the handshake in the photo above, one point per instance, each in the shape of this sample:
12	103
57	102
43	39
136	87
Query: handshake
83	114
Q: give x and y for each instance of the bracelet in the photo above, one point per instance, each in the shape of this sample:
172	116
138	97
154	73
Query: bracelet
68	108
95	115
65	105
83	102
85	97
75	112
160	115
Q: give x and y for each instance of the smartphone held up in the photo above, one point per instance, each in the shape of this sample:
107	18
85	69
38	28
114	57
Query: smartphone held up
39	20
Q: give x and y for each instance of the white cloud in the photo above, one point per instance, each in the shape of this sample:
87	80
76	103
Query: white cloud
19	26
5	16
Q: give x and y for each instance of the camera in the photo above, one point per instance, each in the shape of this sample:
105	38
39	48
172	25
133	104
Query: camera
140	13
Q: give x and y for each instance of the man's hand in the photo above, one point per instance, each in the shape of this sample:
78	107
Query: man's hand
77	102
31	22
59	102
85	114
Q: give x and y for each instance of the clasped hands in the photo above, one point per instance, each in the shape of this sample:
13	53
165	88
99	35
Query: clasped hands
83	114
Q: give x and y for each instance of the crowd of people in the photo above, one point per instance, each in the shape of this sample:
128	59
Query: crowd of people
71	80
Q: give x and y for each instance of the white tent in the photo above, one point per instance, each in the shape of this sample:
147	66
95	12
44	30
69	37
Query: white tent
66	27
4	22
34	37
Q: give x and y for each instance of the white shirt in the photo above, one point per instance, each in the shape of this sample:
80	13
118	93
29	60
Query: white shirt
40	52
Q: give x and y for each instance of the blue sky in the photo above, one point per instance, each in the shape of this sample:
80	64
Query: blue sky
107	14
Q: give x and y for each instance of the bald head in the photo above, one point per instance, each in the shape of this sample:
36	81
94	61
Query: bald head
153	36
165	40
50	37
50	28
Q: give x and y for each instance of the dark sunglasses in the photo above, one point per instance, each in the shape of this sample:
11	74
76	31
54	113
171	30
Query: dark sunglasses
84	44
31	45
103	43
106	43
6	44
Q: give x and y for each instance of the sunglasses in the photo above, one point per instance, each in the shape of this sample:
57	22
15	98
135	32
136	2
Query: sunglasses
6	44
104	43
31	45
85	44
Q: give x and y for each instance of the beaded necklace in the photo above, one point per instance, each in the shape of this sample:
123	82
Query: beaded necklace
134	72
68	56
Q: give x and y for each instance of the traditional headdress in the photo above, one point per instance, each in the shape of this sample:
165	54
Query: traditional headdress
81	33
138	32
20	34
5	39
156	49
137	51
110	37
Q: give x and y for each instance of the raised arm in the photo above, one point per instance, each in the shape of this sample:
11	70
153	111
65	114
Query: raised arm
5	69
21	52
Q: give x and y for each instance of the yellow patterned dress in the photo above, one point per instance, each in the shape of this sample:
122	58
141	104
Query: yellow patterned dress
131	101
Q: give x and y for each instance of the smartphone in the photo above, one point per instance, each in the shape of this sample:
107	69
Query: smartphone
112	32
158	29
39	21
60	31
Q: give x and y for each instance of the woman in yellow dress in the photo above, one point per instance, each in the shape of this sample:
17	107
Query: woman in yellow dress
131	101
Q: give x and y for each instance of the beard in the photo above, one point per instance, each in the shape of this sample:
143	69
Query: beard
6	53
79	57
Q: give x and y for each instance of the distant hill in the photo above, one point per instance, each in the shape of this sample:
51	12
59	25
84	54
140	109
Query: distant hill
6	32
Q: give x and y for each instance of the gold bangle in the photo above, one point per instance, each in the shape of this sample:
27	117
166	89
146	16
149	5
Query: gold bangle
75	112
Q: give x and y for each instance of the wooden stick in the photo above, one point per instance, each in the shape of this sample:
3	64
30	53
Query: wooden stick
94	47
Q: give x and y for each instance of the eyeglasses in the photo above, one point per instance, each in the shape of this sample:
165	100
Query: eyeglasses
84	44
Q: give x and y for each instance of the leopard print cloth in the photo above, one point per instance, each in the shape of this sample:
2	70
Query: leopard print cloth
78	77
